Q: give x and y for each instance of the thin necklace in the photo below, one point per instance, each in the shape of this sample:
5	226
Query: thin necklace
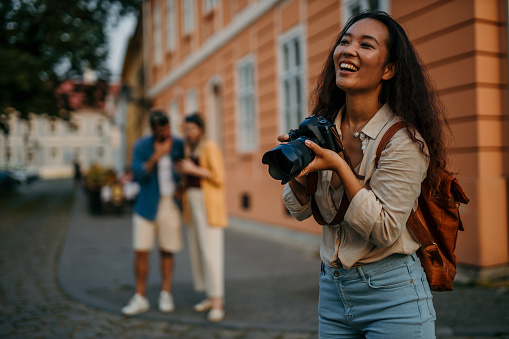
356	134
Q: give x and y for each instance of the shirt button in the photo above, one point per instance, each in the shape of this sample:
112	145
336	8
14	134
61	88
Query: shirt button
336	273
363	147
363	135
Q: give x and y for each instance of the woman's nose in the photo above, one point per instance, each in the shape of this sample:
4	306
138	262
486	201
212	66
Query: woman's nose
349	50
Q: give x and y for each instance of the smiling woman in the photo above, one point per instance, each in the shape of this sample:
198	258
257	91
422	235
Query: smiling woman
372	283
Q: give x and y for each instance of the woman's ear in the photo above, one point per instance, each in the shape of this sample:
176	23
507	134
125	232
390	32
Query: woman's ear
390	71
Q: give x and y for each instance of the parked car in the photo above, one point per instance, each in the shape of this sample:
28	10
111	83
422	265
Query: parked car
7	183
32	174
21	175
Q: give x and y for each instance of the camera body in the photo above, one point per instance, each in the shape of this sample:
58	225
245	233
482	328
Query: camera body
286	161
317	129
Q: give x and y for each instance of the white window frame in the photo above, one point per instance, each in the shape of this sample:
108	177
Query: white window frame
157	35
53	153
209	5
175	117
188	21
192	101
349	5
52	127
100	128
171	26
289	104
247	117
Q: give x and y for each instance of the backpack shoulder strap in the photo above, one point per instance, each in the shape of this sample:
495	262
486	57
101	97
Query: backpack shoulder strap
386	138
416	223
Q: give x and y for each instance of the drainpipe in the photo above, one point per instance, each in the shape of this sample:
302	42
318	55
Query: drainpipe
506	175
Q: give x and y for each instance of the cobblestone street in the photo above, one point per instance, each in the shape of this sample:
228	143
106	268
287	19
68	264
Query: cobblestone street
34	229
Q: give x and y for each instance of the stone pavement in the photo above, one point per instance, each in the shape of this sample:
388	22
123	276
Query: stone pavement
47	236
271	280
269	285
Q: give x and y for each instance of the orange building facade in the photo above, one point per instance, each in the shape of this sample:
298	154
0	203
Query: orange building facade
250	65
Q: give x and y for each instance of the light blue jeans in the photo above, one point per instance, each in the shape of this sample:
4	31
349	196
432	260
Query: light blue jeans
387	299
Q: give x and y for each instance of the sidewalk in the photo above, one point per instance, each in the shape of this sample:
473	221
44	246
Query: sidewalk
271	280
270	284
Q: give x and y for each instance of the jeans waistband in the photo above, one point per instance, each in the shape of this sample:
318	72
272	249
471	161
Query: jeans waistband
370	269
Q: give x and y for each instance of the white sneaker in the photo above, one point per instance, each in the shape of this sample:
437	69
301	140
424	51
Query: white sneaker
137	304
166	302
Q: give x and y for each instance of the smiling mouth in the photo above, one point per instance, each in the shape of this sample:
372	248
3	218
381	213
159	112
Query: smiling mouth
348	67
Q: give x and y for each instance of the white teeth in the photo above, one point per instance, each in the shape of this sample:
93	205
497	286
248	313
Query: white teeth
350	67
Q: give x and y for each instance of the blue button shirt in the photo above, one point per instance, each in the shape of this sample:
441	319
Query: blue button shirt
148	197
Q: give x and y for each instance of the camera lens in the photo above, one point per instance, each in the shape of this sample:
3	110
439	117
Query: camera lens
286	161
283	164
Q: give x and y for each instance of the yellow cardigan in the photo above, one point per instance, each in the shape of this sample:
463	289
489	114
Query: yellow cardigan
211	158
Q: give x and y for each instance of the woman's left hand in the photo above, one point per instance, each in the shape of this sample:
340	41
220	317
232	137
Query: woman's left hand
325	159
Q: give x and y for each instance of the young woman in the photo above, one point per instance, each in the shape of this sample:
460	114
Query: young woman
372	284
205	211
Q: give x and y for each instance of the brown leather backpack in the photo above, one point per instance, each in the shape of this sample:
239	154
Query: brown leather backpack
435	223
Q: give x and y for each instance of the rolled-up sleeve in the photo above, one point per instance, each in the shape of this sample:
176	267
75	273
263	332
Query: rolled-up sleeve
380	213
298	211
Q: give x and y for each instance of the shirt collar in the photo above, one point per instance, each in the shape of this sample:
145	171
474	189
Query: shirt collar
374	126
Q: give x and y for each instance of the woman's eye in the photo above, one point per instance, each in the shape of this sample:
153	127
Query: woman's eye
343	42
366	45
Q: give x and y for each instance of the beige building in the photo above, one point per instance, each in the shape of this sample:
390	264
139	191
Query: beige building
249	66
50	145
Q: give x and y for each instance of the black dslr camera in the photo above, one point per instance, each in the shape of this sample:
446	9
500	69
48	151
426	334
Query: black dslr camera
287	160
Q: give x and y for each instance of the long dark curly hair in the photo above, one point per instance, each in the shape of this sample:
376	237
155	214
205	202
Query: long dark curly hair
410	94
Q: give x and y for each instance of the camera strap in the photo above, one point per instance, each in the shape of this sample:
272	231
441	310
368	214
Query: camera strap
345	155
340	214
312	182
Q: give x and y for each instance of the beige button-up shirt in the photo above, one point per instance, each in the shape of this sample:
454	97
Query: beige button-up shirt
374	226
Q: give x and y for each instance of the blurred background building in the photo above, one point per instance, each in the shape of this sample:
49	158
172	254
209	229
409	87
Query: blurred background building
50	145
249	66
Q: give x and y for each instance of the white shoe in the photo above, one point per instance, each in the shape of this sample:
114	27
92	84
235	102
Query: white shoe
202	306
215	315
137	304
166	302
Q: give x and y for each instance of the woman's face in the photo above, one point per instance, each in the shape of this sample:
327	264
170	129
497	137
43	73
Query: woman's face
360	56
192	132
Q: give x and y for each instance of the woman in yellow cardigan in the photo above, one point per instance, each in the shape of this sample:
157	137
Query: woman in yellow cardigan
205	212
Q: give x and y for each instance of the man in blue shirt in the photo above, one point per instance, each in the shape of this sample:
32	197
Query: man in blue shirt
155	211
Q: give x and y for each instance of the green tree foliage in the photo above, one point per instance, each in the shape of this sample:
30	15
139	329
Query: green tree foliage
45	42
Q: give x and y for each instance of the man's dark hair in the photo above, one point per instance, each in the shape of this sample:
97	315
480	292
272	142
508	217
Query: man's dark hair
196	119
158	118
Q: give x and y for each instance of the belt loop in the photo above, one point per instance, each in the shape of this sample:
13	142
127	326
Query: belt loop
361	273
322	268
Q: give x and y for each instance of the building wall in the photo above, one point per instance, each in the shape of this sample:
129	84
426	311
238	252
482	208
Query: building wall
132	103
462	43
